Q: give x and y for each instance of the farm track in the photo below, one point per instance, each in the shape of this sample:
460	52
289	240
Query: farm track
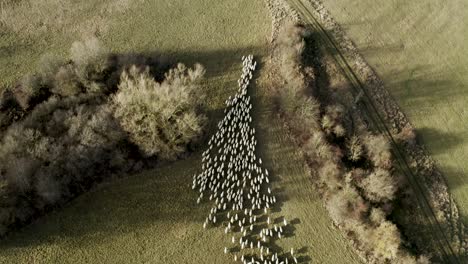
378	123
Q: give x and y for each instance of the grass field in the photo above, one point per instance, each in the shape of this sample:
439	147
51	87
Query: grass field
152	217
419	50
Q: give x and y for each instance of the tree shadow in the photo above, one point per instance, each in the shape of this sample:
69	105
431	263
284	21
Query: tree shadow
262	111
441	141
422	85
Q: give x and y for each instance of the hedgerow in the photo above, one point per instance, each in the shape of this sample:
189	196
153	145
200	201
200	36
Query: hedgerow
79	121
353	166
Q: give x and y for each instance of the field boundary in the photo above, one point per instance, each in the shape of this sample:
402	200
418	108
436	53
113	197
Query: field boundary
379	123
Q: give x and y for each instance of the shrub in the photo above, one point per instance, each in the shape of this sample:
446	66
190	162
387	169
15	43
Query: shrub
330	175
407	134
160	118
377	216
61	132
91	64
331	120
29	88
355	149
304	114
406	258
386	240
290	46
378	150
66	82
346	204
84	53
379	186
33	89
10	110
354	176
59	149
318	146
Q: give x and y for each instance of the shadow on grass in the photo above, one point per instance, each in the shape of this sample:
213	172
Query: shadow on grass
441	141
260	113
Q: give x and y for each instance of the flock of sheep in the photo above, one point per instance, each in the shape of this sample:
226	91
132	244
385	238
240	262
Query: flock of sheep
232	176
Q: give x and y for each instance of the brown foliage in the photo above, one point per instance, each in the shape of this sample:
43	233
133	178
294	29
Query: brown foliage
330	174
59	133
378	150
379	186
331	120
351	189
407	134
355	149
346	204
386	240
160	118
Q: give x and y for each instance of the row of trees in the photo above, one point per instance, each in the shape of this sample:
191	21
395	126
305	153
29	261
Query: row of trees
78	121
352	165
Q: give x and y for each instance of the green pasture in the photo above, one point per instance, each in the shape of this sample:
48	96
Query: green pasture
152	217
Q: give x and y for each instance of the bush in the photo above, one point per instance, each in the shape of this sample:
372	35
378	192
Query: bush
60	133
304	115
377	216
48	66
346	204
406	258
29	88
291	45
407	135
160	118
379	186
355	149
62	147
378	150
66	82
330	175
386	240
89	57
331	120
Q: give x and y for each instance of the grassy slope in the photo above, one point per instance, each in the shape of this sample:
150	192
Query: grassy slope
419	49
152	217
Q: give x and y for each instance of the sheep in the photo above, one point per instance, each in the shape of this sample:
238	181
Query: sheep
231	171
